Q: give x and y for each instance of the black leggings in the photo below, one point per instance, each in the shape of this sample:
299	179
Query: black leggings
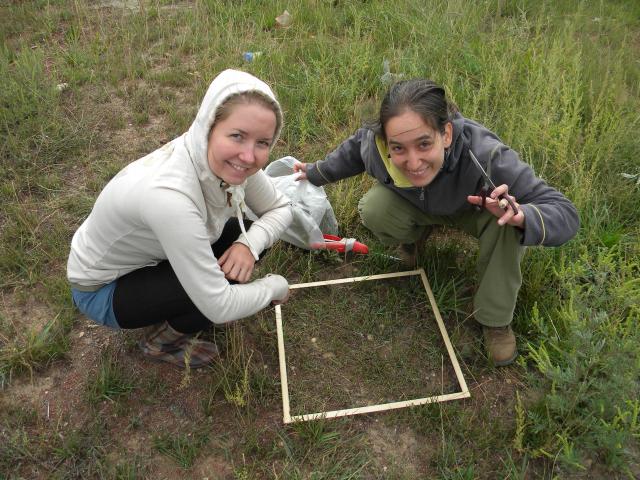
154	294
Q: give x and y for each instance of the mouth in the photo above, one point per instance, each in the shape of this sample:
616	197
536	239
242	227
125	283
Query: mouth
238	168
417	173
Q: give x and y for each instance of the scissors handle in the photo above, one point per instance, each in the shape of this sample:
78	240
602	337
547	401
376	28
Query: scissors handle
503	199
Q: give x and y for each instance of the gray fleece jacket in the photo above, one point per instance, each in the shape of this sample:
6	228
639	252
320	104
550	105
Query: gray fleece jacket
550	218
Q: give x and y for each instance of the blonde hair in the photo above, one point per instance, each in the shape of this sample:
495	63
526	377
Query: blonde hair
248	98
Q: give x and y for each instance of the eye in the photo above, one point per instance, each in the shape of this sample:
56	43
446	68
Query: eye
396	149
425	144
264	143
235	136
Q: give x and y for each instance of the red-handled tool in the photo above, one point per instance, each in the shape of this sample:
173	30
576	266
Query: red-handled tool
333	242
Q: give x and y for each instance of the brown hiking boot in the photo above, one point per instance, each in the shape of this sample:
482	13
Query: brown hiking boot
163	343
408	252
500	343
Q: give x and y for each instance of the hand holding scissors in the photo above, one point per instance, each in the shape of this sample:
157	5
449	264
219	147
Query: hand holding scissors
496	199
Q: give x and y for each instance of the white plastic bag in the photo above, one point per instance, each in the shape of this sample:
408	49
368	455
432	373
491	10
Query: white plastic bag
312	212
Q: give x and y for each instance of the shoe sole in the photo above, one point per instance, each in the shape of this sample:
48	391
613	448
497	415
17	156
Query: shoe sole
507	362
179	365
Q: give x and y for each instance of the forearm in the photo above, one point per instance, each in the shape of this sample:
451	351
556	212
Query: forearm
268	228
549	224
550	219
345	161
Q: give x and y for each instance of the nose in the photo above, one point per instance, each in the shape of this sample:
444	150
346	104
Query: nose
247	154
413	159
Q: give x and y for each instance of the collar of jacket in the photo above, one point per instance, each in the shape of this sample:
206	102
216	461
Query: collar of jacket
458	144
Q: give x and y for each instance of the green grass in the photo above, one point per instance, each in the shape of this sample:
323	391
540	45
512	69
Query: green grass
111	382
558	81
389	350
180	447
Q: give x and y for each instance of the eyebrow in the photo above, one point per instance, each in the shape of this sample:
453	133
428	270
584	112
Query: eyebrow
426	136
243	132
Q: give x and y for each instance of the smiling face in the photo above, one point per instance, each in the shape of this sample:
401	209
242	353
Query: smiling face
416	149
239	144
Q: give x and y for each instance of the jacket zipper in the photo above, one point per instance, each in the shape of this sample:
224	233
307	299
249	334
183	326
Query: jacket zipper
422	194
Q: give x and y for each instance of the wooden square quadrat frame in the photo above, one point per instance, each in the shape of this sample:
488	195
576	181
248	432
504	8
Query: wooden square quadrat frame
464	390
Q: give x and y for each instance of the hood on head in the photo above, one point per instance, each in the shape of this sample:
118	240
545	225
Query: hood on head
226	84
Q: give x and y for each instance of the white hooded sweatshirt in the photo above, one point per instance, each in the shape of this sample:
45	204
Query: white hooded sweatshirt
170	205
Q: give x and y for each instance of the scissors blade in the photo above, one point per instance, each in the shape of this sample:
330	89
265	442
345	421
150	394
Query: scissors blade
482	171
488	181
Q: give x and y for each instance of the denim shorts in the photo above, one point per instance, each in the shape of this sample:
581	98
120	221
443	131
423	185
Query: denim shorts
98	305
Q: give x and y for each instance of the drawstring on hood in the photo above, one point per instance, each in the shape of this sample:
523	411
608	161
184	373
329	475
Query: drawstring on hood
236	201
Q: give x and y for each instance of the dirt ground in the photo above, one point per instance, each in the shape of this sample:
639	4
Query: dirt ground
56	396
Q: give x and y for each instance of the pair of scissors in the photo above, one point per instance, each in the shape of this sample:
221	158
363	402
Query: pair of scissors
489	186
333	242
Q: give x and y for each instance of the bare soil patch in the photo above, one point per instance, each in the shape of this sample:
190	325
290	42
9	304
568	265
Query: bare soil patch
164	403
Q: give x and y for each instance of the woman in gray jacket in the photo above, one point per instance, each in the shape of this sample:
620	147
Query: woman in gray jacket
422	153
166	245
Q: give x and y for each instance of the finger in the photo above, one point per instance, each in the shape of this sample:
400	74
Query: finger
239	277
248	271
504	219
245	269
244	276
234	274
518	220
508	201
501	190
223	258
492	204
226	268
474	199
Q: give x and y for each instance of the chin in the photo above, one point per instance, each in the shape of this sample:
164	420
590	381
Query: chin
235	178
234	181
420	182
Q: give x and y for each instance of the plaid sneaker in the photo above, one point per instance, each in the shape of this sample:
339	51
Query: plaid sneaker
163	343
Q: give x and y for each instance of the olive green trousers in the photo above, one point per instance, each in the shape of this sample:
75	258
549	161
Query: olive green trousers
394	220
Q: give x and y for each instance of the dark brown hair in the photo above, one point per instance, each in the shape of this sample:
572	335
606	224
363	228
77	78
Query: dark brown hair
421	96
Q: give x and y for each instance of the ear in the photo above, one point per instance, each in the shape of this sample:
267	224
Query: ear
447	136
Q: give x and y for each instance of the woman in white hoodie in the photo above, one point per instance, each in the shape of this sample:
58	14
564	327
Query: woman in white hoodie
166	245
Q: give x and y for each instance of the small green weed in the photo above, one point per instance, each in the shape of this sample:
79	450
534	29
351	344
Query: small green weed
326	449
233	371
111	381
30	348
79	453
180	447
